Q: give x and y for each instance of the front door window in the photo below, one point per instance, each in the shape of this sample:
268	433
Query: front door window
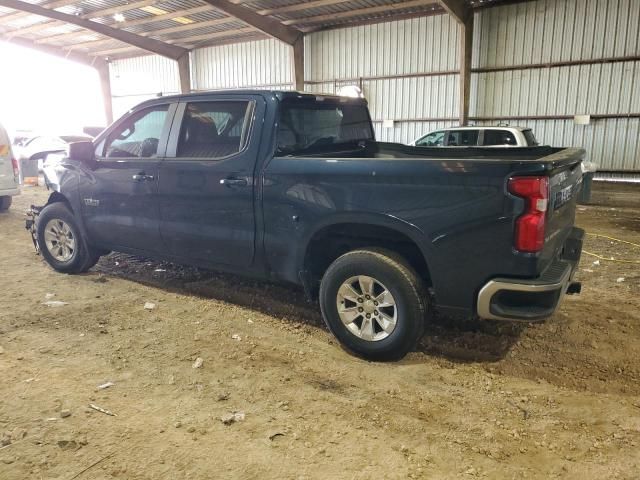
138	136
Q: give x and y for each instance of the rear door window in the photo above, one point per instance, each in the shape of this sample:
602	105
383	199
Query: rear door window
434	139
499	137
462	138
214	129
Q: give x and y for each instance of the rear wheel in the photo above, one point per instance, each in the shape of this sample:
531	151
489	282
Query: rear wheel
374	303
61	242
5	203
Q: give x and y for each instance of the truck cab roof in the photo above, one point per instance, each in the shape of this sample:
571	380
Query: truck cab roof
279	94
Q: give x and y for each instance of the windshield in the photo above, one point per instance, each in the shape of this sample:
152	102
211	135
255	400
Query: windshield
308	124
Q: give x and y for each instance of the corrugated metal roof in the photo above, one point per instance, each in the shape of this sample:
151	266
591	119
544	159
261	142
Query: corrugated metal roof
150	18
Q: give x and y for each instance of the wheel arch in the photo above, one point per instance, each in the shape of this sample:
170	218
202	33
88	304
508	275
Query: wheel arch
330	240
57	197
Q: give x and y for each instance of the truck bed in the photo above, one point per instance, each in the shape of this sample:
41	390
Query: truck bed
455	198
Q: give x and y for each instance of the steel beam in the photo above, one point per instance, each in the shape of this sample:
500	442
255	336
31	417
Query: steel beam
105	85
144	43
466	49
458	9
184	71
384	9
270	26
298	64
463	14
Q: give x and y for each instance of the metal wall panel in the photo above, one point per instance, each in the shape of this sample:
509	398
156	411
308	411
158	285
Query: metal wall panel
336	58
426	44
556	30
547	31
134	80
258	64
612	143
149	75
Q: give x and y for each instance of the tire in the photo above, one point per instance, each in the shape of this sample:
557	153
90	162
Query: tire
5	203
76	256
367	337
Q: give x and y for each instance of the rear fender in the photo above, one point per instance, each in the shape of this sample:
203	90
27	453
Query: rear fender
413	233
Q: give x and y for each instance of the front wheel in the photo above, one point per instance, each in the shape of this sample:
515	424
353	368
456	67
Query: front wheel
61	242
374	303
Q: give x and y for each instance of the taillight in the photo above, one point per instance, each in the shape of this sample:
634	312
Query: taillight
16	169
529	233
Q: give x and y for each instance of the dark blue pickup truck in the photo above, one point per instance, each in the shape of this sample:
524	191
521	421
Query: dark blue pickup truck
293	187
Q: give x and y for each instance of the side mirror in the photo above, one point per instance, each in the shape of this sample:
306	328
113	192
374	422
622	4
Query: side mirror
82	152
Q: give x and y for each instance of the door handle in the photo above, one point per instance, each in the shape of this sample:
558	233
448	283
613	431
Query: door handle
234	182
141	177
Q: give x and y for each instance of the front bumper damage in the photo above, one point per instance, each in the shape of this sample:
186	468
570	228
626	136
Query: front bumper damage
30	224
535	299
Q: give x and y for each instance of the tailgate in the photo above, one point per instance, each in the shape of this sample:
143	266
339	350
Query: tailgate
565	182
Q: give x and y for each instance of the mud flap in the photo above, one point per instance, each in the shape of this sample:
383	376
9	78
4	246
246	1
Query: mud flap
30	224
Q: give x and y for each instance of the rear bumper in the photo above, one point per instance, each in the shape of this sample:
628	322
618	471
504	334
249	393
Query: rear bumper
10	192
535	299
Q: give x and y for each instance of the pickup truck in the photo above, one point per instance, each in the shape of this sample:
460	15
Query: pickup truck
293	187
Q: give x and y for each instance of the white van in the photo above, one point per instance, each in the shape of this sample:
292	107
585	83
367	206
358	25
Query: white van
9	172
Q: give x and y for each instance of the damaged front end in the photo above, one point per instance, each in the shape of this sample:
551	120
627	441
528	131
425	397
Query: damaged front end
30	224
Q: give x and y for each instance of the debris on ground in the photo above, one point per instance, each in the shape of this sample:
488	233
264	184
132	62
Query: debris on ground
230	418
620	279
102	410
149	306
237	337
55	303
275	434
66	444
105	385
198	363
65	413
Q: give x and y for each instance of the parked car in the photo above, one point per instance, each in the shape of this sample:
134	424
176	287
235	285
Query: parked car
478	137
38	147
293	187
9	172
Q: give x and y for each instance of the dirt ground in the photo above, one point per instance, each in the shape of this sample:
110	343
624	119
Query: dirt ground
554	400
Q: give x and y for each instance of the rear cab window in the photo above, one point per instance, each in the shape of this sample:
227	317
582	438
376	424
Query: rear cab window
309	124
530	138
497	137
